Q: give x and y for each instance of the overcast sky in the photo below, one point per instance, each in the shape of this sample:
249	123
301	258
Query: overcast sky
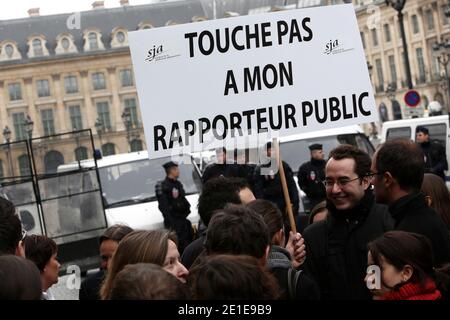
18	8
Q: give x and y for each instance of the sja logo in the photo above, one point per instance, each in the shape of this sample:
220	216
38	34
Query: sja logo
154	52
331	46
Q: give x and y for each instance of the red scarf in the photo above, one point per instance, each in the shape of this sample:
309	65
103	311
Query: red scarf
414	291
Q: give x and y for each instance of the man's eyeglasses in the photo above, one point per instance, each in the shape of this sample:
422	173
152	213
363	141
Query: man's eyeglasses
341	182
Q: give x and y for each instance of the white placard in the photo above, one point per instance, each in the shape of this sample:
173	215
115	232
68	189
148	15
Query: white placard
204	84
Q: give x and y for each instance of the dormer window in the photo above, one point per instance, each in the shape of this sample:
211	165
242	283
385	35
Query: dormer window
65	43
93	41
145	25
37	48
9	51
119	37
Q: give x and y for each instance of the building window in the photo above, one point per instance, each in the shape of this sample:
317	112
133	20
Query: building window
126	78
71	84
387	33
81	153
15	91
430	19
9	49
37	48
108	149
65	43
374	37
2	174
103	114
75	117
120	36
43	88
421	64
393	70
19	125
130	105
379	68
48	123
363	39
24	165
93	41
136	145
415	24
98	81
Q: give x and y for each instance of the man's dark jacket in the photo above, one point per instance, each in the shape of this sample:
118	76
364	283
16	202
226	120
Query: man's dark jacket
337	248
412	214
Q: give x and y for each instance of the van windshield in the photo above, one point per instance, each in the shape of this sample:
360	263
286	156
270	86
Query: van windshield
296	152
134	182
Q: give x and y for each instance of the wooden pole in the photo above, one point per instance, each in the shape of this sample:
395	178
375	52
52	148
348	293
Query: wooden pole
287	198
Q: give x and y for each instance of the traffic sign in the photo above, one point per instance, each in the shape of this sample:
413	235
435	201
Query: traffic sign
412	98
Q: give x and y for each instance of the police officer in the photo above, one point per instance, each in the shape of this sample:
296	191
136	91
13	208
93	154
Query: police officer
434	153
173	205
220	168
311	174
268	186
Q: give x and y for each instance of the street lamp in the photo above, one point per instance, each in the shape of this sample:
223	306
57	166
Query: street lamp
374	130
442	53
29	124
370	68
99	128
390	91
7	135
398	5
126	118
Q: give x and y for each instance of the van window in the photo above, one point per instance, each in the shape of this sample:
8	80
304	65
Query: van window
398	133
438	132
135	181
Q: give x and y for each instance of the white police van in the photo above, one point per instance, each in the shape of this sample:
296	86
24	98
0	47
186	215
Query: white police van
128	187
438	127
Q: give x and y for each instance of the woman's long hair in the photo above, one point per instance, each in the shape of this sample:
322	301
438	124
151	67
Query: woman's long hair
138	247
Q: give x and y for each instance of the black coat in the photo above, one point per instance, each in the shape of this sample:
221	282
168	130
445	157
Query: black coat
270	188
90	287
337	248
435	158
193	251
175	208
412	214
310	176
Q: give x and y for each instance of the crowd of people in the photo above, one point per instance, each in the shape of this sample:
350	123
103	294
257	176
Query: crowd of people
387	213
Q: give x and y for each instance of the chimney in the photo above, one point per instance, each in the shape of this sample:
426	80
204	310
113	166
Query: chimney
98	5
124	3
34	12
